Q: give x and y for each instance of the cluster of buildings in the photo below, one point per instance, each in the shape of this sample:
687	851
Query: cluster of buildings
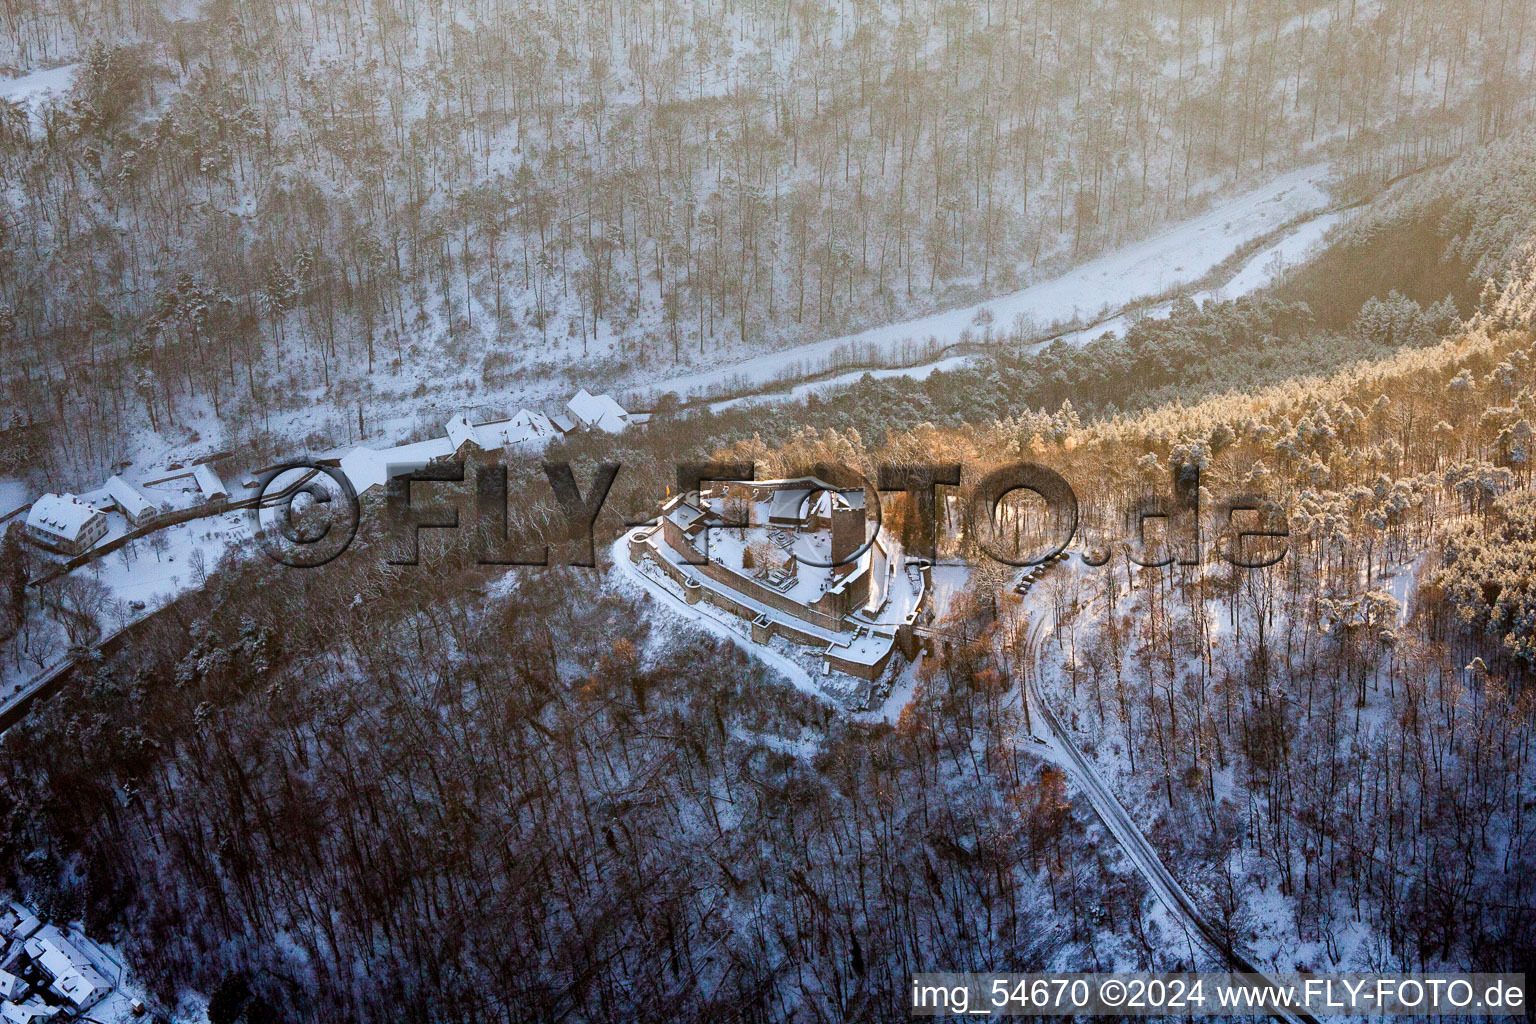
43	975
71	524
799	559
367	468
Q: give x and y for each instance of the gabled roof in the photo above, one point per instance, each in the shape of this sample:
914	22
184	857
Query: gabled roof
524	429
26	924
62	515
74	976
208	481
460	430
789	498
32	1010
129	500
598	412
786	504
367	467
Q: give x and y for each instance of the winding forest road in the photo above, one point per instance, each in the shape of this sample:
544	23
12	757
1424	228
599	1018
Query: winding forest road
1123	827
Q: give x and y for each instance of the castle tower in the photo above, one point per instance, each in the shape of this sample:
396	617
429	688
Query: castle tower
847	535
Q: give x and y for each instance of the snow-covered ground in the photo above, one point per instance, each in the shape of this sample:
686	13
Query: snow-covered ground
137	579
1173	258
842	380
628	576
14	493
154	570
1258	272
38	85
30	91
1268	264
413	402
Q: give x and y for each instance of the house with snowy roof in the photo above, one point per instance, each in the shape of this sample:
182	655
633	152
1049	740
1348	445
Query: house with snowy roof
72	975
460	432
530	430
33	1011
209	483
799	559
64	523
132	504
18	922
527	430
366	468
597	412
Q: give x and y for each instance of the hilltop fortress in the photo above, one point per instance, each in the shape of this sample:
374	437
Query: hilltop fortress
799	559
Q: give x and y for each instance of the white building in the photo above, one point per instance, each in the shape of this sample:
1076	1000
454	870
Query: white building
75	978
209	483
367	468
528	430
65	523
598	412
461	432
33	1011
17	922
531	430
130	502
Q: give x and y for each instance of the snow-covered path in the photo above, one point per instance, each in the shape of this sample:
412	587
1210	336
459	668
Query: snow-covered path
1125	830
1173	258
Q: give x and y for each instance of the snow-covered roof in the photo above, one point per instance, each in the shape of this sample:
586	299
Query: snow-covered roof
74	977
460	430
26	924
562	422
62	515
786	504
528	429
789	498
863	648
208	481
126	498
32	1010
864	643
367	467
684	513
598	412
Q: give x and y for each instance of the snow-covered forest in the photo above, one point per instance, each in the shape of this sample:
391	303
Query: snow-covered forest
240	231
215	215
